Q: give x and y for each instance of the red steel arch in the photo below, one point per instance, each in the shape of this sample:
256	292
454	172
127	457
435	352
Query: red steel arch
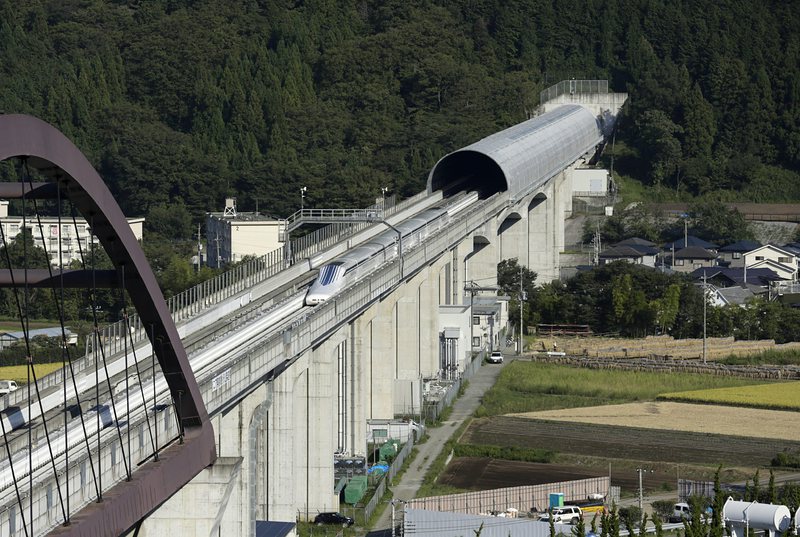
52	154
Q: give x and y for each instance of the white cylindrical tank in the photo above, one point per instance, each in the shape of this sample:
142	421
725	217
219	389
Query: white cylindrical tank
763	516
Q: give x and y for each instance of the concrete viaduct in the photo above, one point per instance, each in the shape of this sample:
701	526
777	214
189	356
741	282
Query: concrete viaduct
277	445
328	371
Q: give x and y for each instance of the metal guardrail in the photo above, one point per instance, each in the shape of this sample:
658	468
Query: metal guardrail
186	305
223	386
257	359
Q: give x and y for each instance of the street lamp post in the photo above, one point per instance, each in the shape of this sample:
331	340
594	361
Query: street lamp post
303	191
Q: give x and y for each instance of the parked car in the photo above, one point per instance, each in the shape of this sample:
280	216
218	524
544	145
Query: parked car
495	358
568	514
8	386
333	518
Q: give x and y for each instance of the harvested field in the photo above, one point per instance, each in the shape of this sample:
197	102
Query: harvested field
631	443
672	416
661	346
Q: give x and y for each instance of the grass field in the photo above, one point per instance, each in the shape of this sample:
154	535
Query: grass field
531	386
780	396
7	325
20	372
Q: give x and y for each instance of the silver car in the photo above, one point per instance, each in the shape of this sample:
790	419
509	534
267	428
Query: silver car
495	358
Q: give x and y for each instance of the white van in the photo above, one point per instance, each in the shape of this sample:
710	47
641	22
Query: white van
8	386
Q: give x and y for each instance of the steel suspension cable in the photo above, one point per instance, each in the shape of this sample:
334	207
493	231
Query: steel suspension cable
105	361
65	348
139	375
31	370
127	381
95	345
2	421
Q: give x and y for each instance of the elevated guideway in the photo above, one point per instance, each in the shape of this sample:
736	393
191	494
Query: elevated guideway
269	368
222	321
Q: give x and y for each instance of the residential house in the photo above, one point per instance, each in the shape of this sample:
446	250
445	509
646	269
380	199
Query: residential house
757	278
783	262
641	256
688	241
732	255
7	339
730	296
691	258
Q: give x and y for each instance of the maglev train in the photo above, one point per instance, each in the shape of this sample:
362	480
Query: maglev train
353	264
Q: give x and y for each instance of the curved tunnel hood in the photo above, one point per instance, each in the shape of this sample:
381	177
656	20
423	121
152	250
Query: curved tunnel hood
520	158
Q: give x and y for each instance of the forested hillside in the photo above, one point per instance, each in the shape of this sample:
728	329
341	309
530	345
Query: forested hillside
181	102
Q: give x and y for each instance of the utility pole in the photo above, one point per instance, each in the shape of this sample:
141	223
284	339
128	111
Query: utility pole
705	301
641	499
596	244
199	249
219	257
522	298
471	318
685	233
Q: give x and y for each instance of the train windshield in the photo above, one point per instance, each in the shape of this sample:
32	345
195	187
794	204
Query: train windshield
328	273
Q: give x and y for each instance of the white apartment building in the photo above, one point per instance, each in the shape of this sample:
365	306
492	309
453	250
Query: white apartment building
231	235
49	234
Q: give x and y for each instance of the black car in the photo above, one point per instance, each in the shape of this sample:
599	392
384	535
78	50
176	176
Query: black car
333	518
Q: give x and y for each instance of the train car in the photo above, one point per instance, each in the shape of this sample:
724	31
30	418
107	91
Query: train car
364	259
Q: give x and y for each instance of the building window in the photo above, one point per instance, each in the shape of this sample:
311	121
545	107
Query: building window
476	319
759	258
476	341
737	255
679	262
380	433
784	260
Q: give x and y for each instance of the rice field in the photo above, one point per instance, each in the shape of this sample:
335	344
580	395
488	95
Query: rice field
531	386
19	373
776	396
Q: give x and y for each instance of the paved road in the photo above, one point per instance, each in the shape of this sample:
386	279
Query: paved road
463	408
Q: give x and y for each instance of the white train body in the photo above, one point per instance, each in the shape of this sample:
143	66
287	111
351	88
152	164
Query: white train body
364	259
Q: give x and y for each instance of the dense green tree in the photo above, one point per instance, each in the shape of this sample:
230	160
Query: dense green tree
717	223
192	101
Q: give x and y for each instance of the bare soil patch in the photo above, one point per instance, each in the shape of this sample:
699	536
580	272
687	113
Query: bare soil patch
481	473
631	443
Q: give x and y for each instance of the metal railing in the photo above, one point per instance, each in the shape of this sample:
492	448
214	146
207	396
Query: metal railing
573	87
224	384
209	293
